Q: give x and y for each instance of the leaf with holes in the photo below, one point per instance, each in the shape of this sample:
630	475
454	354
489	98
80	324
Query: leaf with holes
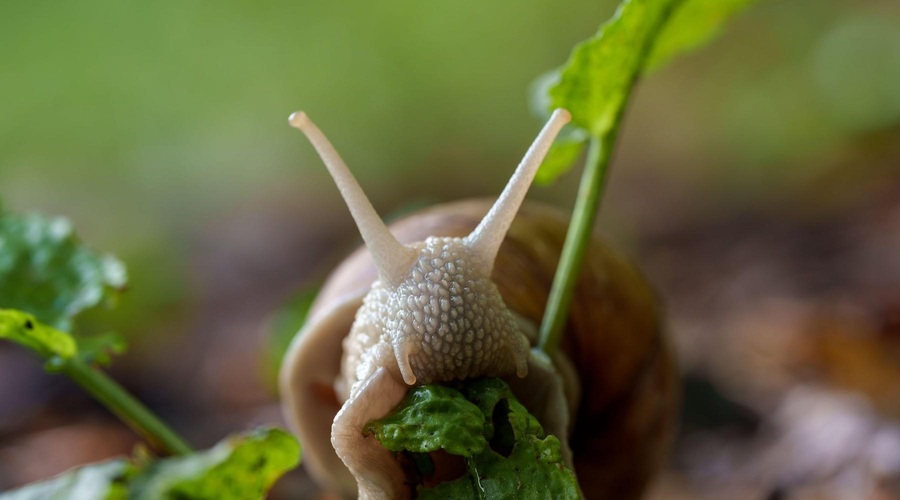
506	451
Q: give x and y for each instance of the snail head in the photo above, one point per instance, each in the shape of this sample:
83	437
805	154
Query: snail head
441	316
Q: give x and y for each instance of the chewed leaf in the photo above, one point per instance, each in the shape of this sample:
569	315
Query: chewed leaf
96	481
523	460
241	467
514	457
24	329
432	418
47	271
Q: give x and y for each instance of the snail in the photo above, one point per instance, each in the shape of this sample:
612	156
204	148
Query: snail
455	292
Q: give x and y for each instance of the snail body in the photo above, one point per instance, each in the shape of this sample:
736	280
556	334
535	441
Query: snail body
456	292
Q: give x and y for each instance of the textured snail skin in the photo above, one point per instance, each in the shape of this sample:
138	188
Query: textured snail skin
445	322
620	360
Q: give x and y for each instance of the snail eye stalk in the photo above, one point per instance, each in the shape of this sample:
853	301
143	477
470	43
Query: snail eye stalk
485	240
392	258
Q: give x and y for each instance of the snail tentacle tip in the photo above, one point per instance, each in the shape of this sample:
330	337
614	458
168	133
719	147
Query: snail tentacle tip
298	119
391	258
486	238
563	115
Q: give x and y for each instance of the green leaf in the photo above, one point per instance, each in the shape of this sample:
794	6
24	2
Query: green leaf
513	457
692	25
54	345
24	329
595	82
89	482
414	428
238	468
47	271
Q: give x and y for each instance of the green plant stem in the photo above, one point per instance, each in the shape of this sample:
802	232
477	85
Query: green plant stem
125	406
578	238
584	214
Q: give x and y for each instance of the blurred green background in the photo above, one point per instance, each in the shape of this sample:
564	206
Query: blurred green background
144	122
160	129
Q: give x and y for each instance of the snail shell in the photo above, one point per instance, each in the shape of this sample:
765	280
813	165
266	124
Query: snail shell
614	339
612	387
